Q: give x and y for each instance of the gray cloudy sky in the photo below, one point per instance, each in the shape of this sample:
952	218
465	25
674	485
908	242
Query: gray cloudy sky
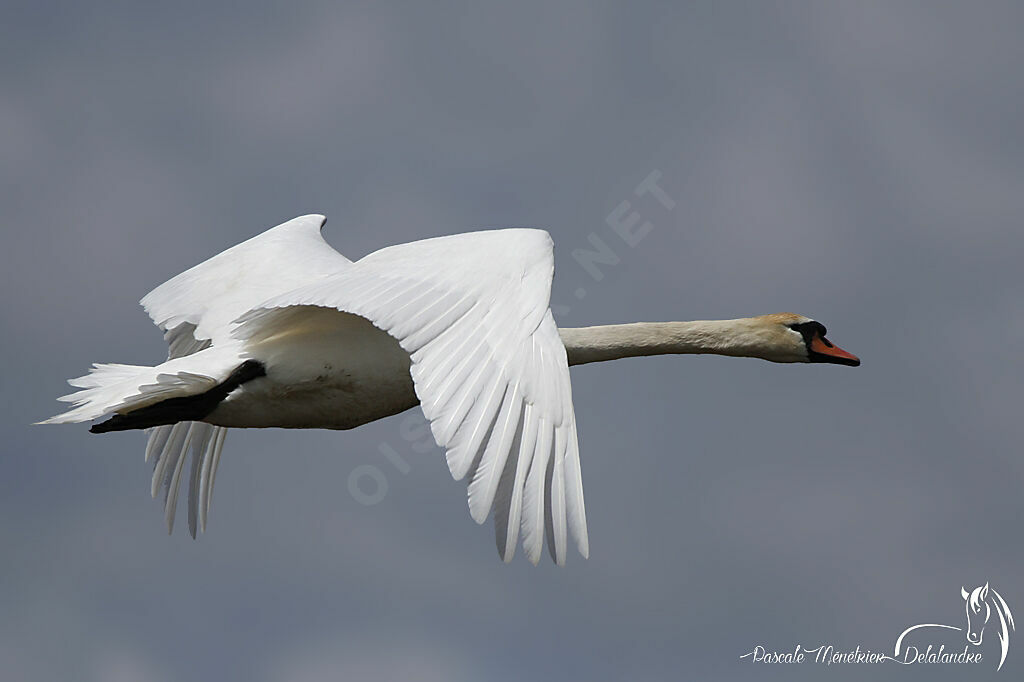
861	163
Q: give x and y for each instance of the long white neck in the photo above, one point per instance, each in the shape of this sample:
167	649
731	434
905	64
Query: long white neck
744	337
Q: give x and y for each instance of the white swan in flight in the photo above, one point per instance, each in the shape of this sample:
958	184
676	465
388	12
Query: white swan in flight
282	330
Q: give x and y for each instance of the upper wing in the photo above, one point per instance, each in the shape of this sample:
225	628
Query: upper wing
197	308
489	368
201	303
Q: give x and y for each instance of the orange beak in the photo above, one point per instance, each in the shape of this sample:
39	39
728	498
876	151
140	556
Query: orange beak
834	353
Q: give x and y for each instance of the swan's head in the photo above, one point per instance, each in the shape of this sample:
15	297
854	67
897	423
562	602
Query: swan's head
788	337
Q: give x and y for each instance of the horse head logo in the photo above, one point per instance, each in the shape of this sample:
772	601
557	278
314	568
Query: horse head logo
981	603
978	612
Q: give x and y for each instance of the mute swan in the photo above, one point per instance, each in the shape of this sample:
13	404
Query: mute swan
282	330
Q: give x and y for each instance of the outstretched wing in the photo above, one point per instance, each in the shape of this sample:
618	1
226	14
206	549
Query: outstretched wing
203	301
489	368
195	309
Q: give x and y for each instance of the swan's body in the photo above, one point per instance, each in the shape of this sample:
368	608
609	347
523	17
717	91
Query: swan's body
283	331
331	371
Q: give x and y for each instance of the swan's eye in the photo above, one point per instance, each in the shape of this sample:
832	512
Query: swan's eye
808	329
819	329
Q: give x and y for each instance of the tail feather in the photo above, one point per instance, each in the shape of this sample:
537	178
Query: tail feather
124	388
99	375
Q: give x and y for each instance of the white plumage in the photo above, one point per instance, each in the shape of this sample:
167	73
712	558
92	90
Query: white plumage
473	329
283	331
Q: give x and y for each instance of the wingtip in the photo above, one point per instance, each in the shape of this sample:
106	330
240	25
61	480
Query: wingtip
478	512
316	218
